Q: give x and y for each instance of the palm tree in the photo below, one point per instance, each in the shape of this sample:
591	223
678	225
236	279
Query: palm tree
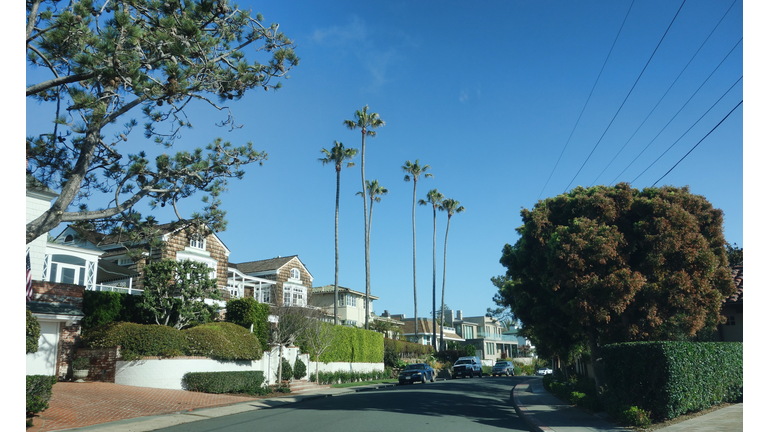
374	190
434	198
365	122
337	156
414	171
450	206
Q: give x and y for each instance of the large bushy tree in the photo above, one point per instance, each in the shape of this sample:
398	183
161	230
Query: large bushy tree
97	63
175	292
615	264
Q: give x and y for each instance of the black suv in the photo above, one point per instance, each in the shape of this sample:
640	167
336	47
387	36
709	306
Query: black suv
468	366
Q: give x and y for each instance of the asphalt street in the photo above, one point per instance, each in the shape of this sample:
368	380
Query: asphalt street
477	404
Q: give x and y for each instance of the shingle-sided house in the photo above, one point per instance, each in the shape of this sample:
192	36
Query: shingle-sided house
351	306
486	334
291	281
123	257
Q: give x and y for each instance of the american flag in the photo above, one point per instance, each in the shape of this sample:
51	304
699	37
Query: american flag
29	279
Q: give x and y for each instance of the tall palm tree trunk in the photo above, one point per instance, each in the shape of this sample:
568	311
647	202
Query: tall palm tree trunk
434	314
367	231
336	273
445	260
415	302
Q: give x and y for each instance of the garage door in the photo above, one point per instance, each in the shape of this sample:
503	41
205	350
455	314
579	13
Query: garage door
43	362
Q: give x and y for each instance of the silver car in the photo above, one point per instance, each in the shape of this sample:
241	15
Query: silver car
503	367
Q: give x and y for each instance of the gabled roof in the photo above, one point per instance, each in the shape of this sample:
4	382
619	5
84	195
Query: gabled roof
736	298
268	265
34	185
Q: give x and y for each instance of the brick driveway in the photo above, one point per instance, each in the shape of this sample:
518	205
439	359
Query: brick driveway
75	405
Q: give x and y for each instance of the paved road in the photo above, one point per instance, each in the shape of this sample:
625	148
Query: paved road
477	404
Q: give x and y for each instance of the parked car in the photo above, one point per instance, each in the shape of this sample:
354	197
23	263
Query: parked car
417	372
503	367
544	371
468	366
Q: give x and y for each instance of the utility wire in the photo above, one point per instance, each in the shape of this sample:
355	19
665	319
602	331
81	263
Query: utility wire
697	144
665	94
678	111
588	99
689	129
625	99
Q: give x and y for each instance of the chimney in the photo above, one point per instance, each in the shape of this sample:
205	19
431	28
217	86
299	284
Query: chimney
385	314
459	315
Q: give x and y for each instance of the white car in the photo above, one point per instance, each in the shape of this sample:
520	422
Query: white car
544	371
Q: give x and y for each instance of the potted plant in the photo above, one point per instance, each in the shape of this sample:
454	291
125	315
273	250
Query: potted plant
80	368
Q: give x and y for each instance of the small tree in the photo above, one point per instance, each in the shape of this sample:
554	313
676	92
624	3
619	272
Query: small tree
247	312
318	336
292	321
174	292
33	333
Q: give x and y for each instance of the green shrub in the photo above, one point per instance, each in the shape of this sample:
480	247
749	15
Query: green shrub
527	370
33	333
299	369
407	349
102	307
352	344
668	379
222	341
39	390
226	382
287	371
487	370
341	377
247	311
470	350
81	363
635	416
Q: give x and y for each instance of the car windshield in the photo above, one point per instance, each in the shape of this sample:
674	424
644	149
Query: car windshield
501	364
460	362
415	367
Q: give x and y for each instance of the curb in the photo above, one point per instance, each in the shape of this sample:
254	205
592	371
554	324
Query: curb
522	410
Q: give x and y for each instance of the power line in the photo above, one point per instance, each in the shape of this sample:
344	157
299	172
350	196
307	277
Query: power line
627	97
697	144
689	129
665	93
680	110
588	98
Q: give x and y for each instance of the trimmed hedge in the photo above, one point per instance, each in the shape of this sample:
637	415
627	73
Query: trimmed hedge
102	307
407	349
340	377
33	333
353	345
220	341
246	311
250	382
39	390
668	379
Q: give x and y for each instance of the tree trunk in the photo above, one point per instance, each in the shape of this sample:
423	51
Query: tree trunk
445	261
415	304
434	277
365	239
336	239
280	368
597	361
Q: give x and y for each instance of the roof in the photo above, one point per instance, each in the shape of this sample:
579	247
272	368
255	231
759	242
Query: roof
736	298
51	308
329	289
271	264
35	185
425	327
100	240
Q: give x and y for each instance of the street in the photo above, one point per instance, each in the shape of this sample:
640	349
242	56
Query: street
444	406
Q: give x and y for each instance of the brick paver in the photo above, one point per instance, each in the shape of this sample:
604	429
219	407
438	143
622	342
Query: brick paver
85	404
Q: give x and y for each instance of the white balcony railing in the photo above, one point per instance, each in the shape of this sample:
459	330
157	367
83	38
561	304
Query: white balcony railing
119	289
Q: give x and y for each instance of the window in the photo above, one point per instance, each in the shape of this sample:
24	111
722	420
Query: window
67	269
124	262
295	274
731	321
197	241
263	294
351	301
341	301
293	295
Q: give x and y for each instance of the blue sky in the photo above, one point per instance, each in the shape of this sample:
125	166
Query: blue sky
488	96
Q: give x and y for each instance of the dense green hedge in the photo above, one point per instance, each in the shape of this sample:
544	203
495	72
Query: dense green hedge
246	311
339	377
39	389
221	341
102	307
407	349
669	379
225	382
352	344
33	333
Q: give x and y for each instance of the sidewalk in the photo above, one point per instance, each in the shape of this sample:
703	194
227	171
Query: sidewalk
547	413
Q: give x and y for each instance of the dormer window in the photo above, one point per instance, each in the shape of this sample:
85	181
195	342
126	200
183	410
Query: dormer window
295	273
69	238
197	241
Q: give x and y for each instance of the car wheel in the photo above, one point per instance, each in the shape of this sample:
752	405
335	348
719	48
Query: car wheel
507	373
480	374
471	374
423	379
